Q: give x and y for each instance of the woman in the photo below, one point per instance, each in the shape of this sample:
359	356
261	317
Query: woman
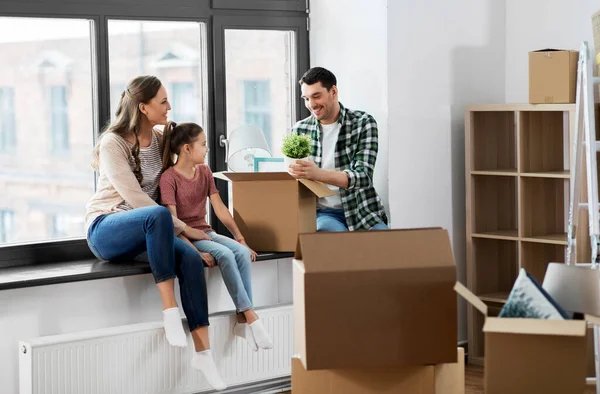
124	219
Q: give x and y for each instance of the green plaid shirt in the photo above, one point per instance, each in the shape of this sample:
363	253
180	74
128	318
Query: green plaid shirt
355	154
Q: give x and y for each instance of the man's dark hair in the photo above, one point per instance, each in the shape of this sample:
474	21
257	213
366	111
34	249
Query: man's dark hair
319	74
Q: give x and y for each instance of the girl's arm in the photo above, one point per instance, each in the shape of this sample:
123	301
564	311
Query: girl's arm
225	217
189	232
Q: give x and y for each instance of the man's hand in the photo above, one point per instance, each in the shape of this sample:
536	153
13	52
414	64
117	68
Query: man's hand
208	259
196	235
305	170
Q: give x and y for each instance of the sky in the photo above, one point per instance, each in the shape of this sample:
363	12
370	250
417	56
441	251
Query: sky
34	29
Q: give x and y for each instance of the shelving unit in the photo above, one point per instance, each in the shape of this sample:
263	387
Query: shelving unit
517	188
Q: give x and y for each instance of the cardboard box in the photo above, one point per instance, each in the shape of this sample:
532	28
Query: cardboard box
438	379
272	208
552	76
525	356
374	299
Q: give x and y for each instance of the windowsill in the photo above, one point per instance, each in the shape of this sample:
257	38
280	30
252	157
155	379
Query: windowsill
81	270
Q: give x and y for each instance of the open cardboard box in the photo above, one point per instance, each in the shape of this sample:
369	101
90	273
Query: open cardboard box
524	356
375	299
272	208
434	379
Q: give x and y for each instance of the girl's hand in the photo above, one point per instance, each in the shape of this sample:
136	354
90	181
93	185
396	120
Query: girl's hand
208	259
253	254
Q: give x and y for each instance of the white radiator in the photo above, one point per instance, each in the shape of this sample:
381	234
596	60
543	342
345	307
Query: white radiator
138	359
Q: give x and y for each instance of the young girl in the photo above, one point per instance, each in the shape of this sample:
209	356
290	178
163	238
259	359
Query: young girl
184	188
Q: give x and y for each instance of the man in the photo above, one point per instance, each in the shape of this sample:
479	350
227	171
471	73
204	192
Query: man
343	152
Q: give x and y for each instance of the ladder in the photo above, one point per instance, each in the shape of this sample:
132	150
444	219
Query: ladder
584	139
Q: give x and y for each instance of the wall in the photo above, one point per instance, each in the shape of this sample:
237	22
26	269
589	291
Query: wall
72	307
559	24
441	56
349	37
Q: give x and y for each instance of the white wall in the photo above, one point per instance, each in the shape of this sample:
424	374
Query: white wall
442	56
539	24
72	307
349	37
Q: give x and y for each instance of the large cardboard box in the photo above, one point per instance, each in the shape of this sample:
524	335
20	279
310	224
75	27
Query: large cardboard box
375	298
552	76
272	208
525	356
438	379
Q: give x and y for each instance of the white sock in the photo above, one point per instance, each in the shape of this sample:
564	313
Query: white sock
204	363
262	337
174	327
243	331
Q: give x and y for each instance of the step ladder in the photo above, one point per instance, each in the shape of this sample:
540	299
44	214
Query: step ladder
584	140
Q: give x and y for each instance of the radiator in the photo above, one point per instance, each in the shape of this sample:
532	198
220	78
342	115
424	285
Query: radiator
138	359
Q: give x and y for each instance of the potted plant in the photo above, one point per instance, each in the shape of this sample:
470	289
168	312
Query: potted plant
295	147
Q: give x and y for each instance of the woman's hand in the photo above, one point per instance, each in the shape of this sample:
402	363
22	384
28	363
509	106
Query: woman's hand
196	235
208	259
253	254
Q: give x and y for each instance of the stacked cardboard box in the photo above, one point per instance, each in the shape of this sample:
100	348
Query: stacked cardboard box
375	312
552	76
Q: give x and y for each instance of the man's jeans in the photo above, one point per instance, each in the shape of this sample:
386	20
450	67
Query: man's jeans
333	220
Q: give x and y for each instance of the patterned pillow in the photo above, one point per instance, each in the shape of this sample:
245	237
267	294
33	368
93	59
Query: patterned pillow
528	299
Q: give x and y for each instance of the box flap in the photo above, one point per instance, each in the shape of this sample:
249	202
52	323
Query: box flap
319	189
549	50
253	176
573	328
350	251
471	298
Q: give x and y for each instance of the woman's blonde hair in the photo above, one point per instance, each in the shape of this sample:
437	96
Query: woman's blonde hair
128	118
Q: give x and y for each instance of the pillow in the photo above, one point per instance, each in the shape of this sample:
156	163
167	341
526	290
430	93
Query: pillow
528	299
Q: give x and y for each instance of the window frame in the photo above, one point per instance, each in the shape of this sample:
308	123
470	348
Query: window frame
298	25
217	15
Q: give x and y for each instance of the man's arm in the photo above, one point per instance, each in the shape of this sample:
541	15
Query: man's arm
360	174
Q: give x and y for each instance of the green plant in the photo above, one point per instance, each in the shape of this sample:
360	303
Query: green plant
296	146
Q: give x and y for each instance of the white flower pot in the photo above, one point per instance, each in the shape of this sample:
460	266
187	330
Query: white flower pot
289	161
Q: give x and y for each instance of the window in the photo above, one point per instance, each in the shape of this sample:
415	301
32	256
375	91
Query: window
116	89
7	226
257	107
256	63
7	120
61	77
59	119
184	103
48	64
173	51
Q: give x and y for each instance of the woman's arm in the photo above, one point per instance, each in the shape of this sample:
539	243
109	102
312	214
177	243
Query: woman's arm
114	163
189	232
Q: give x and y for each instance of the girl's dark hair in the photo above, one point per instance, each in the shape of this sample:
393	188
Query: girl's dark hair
174	137
128	118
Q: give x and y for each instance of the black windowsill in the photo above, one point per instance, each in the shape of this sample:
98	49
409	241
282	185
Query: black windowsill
82	270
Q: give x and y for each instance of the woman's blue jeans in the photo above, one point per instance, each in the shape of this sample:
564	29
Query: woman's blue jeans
122	236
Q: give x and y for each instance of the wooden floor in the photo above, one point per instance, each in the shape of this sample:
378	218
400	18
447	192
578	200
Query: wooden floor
473	380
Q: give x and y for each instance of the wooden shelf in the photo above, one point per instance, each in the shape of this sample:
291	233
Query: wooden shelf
564	174
499	172
509	235
555	239
519	107
517	191
497	298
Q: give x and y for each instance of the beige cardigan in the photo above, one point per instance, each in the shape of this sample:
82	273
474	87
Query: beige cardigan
117	182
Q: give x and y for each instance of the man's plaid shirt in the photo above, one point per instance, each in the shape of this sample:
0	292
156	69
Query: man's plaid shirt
355	154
